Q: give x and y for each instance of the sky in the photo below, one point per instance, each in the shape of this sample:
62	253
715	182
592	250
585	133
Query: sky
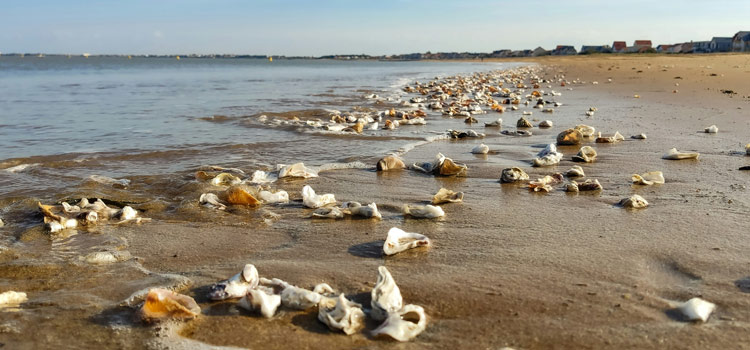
373	27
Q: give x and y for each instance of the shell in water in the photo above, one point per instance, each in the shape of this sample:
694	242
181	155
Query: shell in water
390	163
239	196
588	185
297	170
523	123
498	122
513	174
262	177
674	154
546	124
365	211
445	195
162	304
481	149
450	168
545	184
569	137
711	129
225	179
575	171
11	298
279	196
386	297
617	137
586	154
548	156
236	286
585	130
329	213
649	178
211	200
403	325
640	136
260	301
399	240
423	211
357	127
635	201
302	299
2	223
345	316
312	200
697	309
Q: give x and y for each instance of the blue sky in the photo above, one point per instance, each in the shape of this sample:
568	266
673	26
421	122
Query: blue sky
298	27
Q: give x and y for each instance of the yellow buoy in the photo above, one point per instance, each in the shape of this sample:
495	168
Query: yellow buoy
178	58
270	59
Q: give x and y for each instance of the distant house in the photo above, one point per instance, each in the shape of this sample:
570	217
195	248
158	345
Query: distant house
664	48
500	53
741	42
562	50
701	46
686	47
619	46
720	44
539	51
589	49
642	45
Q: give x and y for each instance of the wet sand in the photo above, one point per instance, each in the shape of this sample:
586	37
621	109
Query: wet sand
508	267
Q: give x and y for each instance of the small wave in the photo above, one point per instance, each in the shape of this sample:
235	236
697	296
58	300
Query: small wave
341	166
20	168
427	140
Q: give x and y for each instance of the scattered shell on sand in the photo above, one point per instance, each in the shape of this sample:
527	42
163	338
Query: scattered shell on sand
442	166
162	304
481	149
471	120
588	185
403	325
674	154
211	200
711	129
238	195
697	309
569	137
523	123
225	179
516	132
586	154
297	170
423	211
258	300
649	178
617	137
635	201
548	156
329	213
386	296
279	196
498	122
545	184
640	136
575	171
399	240
445	195
11	298
585	130
312	200
513	174
236	286
365	211
458	134
297	298
390	163
346	316
546	124
528	112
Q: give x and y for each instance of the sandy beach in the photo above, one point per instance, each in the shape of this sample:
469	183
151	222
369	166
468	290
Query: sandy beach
508	267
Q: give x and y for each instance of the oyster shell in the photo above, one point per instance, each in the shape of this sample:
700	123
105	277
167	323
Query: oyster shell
445	195
239	196
55	222
211	200
569	137
164	304
399	240
279	196
586	154
386	297
481	149
302	299
513	174
498	122
711	129
640	136
262	177
237	286
545	184
404	324
575	171
617	137
697	309
225	179
423	211
674	154
516	132
523	123
297	170
585	130
312	200
588	185
470	120
649	178
11	298
346	316
450	168
546	124
390	163
548	156
329	213
635	201
261	301
366	211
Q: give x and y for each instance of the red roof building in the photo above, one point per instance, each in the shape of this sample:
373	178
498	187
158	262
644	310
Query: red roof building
619	46
646	44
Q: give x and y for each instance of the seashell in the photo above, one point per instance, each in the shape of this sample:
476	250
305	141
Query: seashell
586	154
481	149
386	297
238	196
312	200
697	309
398	241
528	112
101	258
2	223
635	201
11	298
649	178
585	130
164	304
390	163
212	201
673	154
588	185
523	123
390	125
711	129
202	176
589	113
546	124
548	156
575	171
548	110
279	196
516	133
86	218
262	177
302	299
225	179
640	136
237	286
127	213
346	316
358	127
513	174
445	195
423	211
297	170
515	108
366	211
498	122
471	120
403	325
450	168
545	184
610	139
329	213
260	301
569	137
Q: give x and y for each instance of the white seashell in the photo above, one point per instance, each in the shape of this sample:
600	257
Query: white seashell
280	196
262	177
513	174
297	170
588	185
11	298
527	113
589	113
545	184
548	110
575	171
302	299
586	131
548	156
546	124
399	240
635	201
426	211
101	258
481	149
640	136
126	214
673	154
260	301
328	213
346	316
498	122
403	325
515	108
617	137
711	129
367	211
312	200
386	297
586	154
373	126
225	179
237	286
649	178
2	223
697	309
212	201
445	195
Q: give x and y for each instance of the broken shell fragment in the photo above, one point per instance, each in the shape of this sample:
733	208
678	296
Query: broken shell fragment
11	298
445	195
365	211
449	168
302	299
569	137
586	154
346	316
548	156
386	296
711	129
403	325
390	163
423	211
237	286
640	136
674	154
279	196
239	196
211	200
697	309
575	171
588	185
260	301
481	149
225	179
498	122
585	130
162	304
513	174
649	178
297	170
635	202
329	213
545	184
617	137
312	200
523	123
546	124
471	120
399	240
